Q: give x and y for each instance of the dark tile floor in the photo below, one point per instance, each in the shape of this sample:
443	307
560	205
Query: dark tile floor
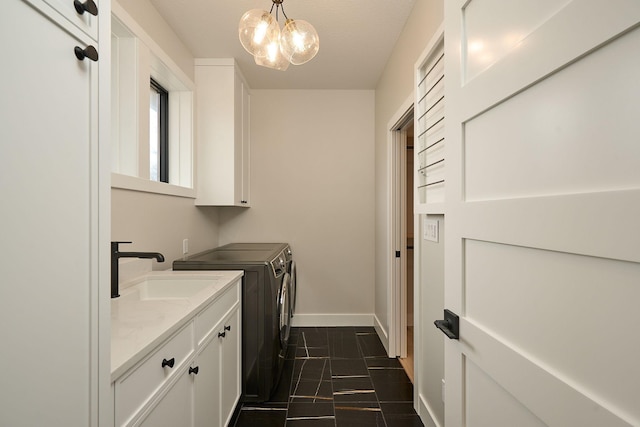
336	377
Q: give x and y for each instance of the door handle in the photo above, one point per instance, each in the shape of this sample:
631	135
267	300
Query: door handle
450	325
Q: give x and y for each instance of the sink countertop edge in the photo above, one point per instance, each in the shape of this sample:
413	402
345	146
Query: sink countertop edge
173	314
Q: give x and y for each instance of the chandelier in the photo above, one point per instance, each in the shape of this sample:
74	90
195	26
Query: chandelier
271	47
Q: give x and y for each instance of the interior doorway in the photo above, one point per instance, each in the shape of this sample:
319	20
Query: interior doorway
402	224
407	362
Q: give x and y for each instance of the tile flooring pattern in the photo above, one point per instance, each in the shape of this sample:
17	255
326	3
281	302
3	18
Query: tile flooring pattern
336	377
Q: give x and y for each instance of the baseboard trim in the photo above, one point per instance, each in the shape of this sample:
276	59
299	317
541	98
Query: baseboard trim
382	332
327	320
426	414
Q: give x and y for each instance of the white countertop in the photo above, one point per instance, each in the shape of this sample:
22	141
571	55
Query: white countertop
138	326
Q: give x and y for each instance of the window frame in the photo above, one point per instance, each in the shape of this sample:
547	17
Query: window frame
163	131
136	57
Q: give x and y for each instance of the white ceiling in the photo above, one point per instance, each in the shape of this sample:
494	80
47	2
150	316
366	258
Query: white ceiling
356	38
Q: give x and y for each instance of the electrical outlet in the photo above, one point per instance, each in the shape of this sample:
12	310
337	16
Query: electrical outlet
185	246
430	230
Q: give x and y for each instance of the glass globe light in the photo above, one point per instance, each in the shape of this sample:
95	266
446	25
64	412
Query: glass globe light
274	58
299	41
257	29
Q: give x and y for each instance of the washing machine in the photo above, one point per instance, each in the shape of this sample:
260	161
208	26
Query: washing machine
291	269
266	308
288	256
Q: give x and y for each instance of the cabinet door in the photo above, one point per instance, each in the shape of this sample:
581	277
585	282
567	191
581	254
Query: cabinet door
174	409
246	146
85	21
47	220
223	134
207	386
230	367
237	143
217	384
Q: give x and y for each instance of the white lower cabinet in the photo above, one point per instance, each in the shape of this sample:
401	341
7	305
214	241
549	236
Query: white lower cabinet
230	368
191	379
207	386
174	408
217	384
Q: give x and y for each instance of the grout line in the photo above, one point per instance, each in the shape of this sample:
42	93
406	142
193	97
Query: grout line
324	365
321	417
384	420
304	338
319	399
255	408
297	382
346	377
357	408
333	401
352	392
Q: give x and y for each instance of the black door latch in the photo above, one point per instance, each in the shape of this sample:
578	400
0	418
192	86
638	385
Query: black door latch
450	325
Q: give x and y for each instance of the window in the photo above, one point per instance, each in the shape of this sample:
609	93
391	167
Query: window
158	133
151	115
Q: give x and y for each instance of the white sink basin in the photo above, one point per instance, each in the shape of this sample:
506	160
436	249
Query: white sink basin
159	288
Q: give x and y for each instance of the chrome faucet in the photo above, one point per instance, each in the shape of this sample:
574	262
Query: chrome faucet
115	257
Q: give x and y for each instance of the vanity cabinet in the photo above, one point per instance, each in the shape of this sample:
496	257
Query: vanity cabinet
174	408
223	134
55	215
190	379
217	385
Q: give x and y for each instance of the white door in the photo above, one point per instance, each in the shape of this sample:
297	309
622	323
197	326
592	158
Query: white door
543	202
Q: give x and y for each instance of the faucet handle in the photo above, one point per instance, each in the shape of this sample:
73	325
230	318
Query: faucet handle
114	245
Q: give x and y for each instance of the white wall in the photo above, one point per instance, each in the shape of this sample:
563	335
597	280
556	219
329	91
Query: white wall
312	185
395	85
159	223
150	20
156	222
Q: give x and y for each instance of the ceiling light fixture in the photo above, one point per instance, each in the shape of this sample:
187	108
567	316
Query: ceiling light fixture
271	47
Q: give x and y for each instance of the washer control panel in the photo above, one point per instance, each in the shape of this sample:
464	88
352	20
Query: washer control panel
279	264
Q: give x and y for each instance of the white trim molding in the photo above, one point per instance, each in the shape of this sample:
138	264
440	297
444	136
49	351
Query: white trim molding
133	183
328	320
393	263
425	412
382	333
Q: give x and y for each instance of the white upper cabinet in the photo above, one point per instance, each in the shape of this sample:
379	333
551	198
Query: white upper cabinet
223	143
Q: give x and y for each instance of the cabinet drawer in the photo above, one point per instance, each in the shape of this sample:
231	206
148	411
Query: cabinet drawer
85	21
135	387
213	314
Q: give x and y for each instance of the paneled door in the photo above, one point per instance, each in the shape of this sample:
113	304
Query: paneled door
53	314
542	260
